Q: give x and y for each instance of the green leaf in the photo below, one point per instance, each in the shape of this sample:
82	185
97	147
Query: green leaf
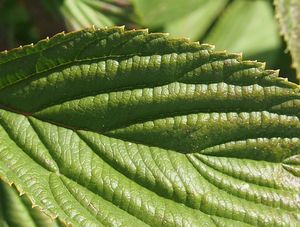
79	15
17	211
288	13
114	127
195	24
86	13
157	13
248	27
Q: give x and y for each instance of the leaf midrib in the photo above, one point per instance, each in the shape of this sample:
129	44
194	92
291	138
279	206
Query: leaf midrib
156	117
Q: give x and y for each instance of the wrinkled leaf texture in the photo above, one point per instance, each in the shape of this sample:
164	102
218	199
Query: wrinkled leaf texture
125	128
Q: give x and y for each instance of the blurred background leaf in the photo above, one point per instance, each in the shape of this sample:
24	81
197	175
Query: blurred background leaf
196	24
85	13
156	13
288	13
247	26
15	25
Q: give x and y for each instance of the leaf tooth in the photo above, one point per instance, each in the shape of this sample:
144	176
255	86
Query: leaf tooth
186	39
122	27
40	42
274	73
19	189
206	46
240	54
114	29
237	56
61	34
180	40
255	64
263	65
10	183
137	31
141	30
220	52
45	211
45	40
201	46
94	27
146	30
160	34
20	48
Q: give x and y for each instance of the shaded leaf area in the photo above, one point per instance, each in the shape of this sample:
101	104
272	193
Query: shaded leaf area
28	21
86	13
165	11
15	27
254	24
288	13
114	127
16	210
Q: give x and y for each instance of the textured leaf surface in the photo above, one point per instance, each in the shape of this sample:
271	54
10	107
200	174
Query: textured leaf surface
114	127
288	13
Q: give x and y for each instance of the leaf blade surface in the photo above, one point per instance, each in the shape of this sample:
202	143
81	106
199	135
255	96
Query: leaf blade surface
114	127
